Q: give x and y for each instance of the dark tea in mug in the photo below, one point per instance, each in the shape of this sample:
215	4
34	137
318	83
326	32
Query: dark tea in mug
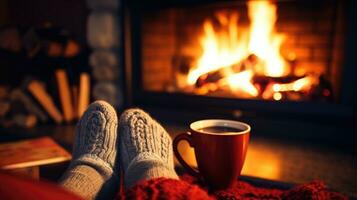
220	129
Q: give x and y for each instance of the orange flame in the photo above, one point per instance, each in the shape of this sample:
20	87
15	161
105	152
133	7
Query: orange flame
219	50
230	45
242	81
300	84
264	42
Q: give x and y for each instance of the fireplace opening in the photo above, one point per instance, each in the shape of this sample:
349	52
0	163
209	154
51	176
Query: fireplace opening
260	50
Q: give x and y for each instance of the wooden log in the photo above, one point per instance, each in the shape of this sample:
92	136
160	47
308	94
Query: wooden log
216	75
84	93
46	101
267	79
65	95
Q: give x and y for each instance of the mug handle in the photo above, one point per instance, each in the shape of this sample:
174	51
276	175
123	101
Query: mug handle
184	136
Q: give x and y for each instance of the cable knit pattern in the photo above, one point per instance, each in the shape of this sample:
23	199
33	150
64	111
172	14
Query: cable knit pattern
95	146
143	140
96	133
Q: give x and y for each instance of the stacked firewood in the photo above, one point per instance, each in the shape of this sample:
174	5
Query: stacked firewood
53	84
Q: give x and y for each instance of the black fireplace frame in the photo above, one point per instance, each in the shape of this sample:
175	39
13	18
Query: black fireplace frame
135	95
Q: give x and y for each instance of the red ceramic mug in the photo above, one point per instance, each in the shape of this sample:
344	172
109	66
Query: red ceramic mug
220	153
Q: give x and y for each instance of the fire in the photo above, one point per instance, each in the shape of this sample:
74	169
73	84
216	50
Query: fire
298	85
233	56
303	85
219	49
242	81
230	45
264	42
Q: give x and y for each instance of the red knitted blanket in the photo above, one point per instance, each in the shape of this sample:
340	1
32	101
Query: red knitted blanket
190	188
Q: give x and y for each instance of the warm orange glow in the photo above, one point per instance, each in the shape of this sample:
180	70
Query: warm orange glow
269	166
298	85
277	96
241	81
230	45
220	49
264	42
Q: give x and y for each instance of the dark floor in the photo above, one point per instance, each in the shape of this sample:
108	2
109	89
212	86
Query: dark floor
267	158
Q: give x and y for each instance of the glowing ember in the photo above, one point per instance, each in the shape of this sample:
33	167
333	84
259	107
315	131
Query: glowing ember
277	96
298	85
241	81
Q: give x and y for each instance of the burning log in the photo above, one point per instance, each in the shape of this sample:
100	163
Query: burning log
214	76
265	82
261	80
308	87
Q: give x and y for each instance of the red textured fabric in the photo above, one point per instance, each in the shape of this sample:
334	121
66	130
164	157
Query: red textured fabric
163	188
190	188
19	188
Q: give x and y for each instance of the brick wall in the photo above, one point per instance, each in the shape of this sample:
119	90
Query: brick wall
310	32
158	48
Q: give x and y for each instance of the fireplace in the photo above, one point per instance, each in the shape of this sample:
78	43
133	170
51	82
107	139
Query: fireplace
279	56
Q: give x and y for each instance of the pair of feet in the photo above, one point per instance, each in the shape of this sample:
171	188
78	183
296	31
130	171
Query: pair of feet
136	147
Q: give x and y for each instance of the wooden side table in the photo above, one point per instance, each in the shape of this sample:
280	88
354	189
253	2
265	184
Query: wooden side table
25	157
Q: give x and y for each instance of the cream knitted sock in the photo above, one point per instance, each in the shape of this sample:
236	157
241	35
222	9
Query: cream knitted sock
92	173
145	148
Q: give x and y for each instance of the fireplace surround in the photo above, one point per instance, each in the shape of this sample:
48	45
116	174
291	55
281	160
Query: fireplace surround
320	35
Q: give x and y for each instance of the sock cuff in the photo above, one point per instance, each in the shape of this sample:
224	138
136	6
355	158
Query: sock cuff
103	168
150	159
144	168
80	173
